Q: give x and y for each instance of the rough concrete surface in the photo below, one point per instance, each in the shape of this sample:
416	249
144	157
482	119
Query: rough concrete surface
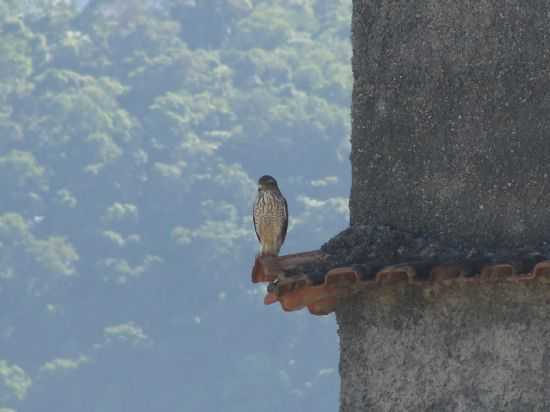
451	118
459	348
450	141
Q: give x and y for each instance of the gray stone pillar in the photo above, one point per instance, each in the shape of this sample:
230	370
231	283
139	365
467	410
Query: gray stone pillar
451	118
450	139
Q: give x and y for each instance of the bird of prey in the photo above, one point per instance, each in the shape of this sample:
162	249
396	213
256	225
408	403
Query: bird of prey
270	216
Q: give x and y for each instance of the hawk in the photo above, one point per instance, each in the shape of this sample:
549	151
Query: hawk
270	216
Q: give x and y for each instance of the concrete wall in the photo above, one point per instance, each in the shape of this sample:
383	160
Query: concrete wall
451	118
467	348
451	139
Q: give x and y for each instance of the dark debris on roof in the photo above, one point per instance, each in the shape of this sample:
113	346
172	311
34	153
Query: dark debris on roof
373	256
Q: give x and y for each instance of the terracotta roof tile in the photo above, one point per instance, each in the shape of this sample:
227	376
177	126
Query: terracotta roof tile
308	280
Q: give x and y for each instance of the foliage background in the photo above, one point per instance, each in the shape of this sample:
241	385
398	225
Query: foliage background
131	136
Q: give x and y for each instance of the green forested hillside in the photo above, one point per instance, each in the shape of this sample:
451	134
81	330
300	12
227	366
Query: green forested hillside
131	136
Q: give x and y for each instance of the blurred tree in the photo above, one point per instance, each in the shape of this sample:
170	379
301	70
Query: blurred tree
20	175
10	131
266	27
54	256
207	23
131	136
14	383
15	60
9	8
77	121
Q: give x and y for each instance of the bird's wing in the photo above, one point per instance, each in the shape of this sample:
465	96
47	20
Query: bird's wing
254	220
285	221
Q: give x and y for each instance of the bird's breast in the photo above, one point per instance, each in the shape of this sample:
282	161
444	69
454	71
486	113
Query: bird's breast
269	205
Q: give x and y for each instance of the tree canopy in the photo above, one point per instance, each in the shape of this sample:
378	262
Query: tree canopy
131	137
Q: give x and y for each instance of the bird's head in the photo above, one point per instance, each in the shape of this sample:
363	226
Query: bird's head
267	183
